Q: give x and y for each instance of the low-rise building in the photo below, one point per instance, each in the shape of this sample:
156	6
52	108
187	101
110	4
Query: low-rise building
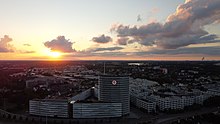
214	91
147	105
97	110
143	104
49	107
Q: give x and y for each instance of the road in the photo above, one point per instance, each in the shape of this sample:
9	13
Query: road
167	118
9	122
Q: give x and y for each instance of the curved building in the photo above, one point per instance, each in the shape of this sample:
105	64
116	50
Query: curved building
115	89
49	107
97	110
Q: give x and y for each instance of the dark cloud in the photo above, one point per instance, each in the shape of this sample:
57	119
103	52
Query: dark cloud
214	51
27	52
60	44
123	41
139	18
98	54
111	54
102	39
182	28
26	44
94	51
5	44
102	52
104	49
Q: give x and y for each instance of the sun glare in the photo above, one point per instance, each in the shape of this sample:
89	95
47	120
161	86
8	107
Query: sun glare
55	54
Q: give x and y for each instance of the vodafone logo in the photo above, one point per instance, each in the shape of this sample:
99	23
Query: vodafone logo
114	82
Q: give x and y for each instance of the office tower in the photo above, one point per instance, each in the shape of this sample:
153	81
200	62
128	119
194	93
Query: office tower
115	89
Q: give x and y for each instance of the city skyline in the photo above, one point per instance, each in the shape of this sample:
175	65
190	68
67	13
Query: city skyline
110	30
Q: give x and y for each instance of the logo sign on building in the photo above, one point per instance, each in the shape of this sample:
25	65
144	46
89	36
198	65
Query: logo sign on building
114	82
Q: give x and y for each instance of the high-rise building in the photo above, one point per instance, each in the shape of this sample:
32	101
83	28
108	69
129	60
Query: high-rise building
115	89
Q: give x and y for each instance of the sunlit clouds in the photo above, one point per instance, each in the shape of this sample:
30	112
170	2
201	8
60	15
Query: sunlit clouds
60	44
5	45
182	28
123	30
102	39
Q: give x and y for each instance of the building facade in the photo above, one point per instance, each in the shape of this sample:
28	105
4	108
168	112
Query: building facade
143	104
177	103
49	107
115	89
97	110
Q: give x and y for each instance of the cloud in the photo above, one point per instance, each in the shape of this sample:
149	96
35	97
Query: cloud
60	44
5	45
98	52
182	28
26	44
102	39
104	49
155	10
214	51
139	18
25	51
123	41
178	53
111	54
28	52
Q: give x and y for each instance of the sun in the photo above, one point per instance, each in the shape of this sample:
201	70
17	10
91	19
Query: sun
55	54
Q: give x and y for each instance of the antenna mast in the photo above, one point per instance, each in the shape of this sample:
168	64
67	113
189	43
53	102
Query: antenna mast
104	68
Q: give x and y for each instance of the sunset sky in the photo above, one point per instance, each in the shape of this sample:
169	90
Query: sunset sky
109	29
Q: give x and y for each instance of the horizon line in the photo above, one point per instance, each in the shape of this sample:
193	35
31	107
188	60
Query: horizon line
107	60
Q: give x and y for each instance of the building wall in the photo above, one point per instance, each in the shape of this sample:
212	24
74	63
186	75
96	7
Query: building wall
118	93
50	108
177	102
213	92
82	96
149	106
96	92
97	110
133	99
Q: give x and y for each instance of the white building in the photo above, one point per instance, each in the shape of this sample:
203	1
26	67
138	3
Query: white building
177	102
214	91
167	102
143	104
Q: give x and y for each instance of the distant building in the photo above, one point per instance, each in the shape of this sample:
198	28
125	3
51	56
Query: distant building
164	70
43	80
115	89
